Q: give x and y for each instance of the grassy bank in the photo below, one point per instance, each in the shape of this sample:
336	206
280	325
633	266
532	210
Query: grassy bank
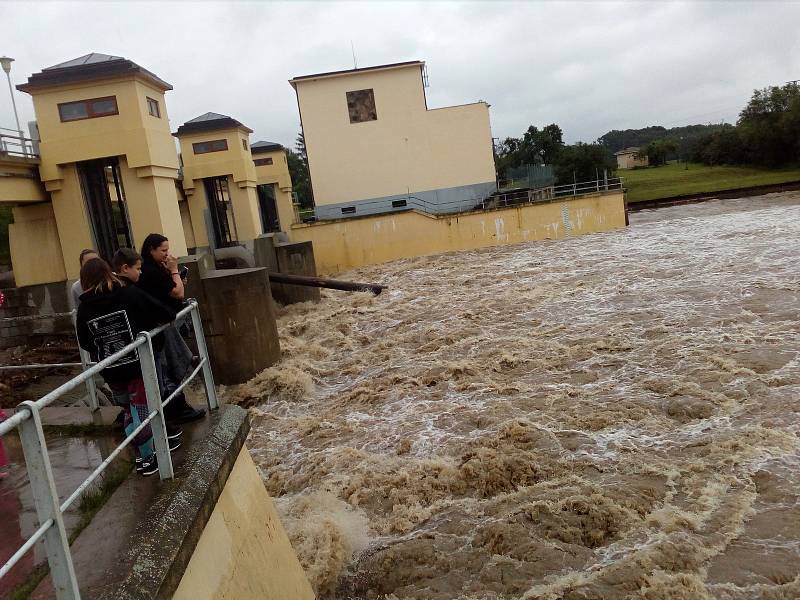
674	179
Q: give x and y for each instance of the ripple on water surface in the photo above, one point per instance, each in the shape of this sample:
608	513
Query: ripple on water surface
610	416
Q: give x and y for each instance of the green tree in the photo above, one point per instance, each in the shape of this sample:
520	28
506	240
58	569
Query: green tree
583	162
535	147
657	151
769	126
298	169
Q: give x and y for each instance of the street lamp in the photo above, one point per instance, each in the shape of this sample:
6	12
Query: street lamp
5	62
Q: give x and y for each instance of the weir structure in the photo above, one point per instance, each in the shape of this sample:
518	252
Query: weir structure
212	533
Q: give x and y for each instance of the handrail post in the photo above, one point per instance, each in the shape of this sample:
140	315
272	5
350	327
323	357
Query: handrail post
91	387
200	339
85	360
45	497
151	388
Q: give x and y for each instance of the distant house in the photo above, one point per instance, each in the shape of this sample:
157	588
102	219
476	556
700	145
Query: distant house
627	158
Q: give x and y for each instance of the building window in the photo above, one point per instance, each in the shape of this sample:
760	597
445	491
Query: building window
262	161
210	146
152	108
88	109
244	144
361	106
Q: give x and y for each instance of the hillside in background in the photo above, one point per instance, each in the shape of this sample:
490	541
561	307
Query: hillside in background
684	137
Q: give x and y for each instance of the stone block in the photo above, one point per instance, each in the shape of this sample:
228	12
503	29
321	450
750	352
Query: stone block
239	322
295	259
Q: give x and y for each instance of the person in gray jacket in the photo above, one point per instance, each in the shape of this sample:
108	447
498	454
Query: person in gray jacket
76	290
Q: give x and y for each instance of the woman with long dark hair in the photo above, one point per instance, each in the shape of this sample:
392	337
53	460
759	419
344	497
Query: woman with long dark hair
109	316
161	279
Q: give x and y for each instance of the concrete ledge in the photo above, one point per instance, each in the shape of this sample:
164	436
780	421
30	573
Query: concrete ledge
139	544
165	540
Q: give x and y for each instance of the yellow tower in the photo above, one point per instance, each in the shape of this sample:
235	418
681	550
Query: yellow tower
219	179
274	185
108	161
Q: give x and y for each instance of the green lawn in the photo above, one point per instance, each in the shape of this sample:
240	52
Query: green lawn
674	179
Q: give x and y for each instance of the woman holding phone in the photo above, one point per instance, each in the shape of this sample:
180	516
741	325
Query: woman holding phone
161	279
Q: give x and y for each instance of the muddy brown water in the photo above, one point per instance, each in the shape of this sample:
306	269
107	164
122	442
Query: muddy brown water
609	416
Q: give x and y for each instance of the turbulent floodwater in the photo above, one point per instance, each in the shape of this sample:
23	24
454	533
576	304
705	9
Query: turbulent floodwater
610	416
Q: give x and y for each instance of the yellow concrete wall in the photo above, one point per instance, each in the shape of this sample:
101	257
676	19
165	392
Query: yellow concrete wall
197	203
35	248
188	228
19	181
244	201
74	230
348	243
144	139
278	174
283	203
152	207
235	161
407	149
237	164
244	553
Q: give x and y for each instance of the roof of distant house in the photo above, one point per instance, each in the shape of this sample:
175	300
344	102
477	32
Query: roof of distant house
397	65
630	150
211	121
261	146
90	67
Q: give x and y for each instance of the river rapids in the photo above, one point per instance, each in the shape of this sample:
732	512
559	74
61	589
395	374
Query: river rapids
608	416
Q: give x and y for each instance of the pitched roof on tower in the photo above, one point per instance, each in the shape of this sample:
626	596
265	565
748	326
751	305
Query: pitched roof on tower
210	121
90	67
261	146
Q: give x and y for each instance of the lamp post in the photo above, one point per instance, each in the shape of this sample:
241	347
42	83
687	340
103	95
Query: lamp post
5	62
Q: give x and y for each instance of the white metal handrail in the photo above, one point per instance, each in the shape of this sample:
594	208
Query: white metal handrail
27	419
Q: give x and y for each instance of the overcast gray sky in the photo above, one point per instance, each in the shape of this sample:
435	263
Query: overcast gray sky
588	66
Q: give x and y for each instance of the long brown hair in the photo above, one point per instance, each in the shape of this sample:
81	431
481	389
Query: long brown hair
96	276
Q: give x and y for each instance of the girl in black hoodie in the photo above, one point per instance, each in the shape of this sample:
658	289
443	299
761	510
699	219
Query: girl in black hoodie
109	317
160	278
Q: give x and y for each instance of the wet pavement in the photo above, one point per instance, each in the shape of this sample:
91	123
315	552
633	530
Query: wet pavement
72	460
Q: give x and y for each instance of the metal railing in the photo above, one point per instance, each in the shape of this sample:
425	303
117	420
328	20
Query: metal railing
86	361
477	204
27	418
14	144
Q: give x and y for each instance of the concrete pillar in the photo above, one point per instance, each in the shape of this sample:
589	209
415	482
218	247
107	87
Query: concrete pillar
244	201
35	246
241	332
283	204
296	258
74	231
152	202
264	252
198	203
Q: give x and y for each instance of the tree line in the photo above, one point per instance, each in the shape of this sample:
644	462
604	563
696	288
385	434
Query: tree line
767	132
571	162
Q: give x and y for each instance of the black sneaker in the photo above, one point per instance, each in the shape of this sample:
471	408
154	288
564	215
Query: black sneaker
188	415
149	466
174	445
173	433
139	464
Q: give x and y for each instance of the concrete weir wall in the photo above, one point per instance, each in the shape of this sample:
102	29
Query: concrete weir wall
211	533
243	551
347	243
